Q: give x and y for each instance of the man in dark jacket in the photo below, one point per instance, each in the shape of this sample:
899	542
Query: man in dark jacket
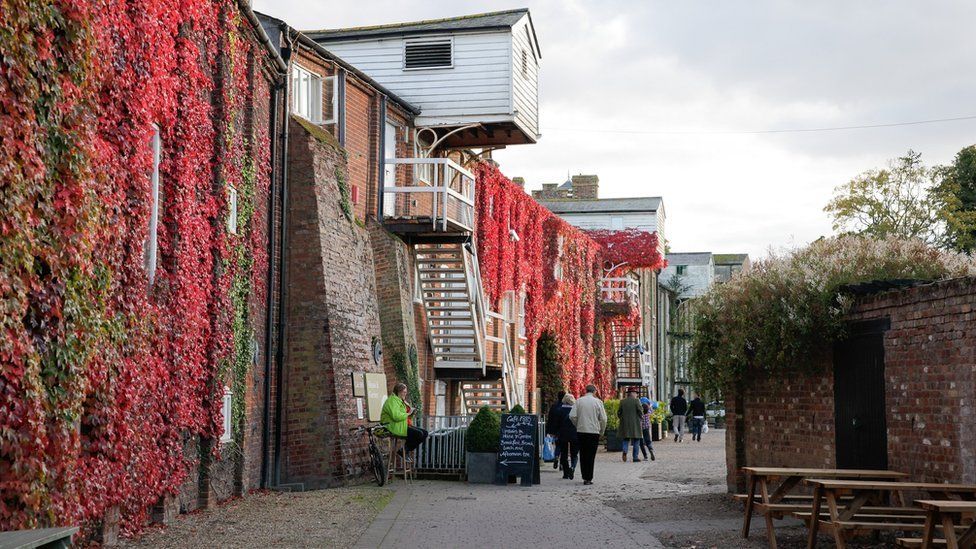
629	427
552	425
697	417
679	407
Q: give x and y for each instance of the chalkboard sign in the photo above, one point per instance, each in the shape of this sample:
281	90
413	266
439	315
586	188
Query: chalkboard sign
518	448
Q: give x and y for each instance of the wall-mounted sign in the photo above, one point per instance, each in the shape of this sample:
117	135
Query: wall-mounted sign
358	384
375	395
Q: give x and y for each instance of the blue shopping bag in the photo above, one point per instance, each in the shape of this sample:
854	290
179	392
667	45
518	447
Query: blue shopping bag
549	448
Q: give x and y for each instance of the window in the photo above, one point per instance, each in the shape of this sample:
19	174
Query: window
152	236
418	291
428	54
226	412
307	100
231	210
558	269
525	63
681	269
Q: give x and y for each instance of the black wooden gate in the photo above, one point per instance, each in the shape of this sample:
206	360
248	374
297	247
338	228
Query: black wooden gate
859	397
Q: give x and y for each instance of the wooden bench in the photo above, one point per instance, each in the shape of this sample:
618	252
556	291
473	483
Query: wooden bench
846	518
950	515
776	483
48	538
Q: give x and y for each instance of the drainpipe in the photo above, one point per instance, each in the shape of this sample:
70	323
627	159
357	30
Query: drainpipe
283	286
277	90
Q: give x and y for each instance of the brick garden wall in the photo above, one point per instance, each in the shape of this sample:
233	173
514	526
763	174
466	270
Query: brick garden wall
930	378
332	319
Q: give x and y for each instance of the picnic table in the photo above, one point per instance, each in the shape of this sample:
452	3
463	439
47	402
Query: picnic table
950	515
846	516
776	484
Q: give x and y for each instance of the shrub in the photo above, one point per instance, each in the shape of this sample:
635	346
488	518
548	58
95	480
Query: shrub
517	409
611	406
483	433
786	312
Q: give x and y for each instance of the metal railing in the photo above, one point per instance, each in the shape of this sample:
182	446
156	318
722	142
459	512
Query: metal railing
435	190
444	450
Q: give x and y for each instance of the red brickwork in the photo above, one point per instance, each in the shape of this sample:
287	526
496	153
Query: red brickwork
929	373
332	318
930	377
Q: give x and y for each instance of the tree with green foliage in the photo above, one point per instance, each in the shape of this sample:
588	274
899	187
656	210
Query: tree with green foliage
956	196
893	202
517	409
785	313
550	373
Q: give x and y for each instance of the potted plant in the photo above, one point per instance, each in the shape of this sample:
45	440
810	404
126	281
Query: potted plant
481	445
613	443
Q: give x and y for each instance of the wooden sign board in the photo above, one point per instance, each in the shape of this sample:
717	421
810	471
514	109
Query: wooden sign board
375	395
358	384
518	448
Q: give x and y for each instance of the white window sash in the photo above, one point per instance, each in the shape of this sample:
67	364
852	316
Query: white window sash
232	210
152	238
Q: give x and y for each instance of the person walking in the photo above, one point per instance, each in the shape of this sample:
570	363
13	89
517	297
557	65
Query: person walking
568	438
590	419
629	429
646	445
697	417
552	428
679	408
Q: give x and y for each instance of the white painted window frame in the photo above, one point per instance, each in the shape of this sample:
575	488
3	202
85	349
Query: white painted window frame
151	259
231	209
307	88
227	410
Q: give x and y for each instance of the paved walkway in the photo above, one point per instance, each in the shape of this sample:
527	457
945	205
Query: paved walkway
453	514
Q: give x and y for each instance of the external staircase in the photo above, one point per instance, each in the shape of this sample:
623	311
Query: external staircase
451	307
469	343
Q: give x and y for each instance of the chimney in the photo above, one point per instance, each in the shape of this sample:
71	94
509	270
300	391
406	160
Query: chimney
520	181
586	187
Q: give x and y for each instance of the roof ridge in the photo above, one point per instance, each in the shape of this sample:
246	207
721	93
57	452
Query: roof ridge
411	23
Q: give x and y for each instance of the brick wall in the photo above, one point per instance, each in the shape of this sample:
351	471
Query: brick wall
359	142
332	317
930	392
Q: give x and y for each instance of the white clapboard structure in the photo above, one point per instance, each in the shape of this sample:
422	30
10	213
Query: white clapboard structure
476	72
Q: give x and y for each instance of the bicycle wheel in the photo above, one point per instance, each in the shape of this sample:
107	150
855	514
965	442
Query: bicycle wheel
378	463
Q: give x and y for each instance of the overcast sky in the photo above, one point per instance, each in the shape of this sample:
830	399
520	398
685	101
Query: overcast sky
698	72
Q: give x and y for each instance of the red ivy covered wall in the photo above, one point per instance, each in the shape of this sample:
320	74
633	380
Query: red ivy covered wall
104	377
566	308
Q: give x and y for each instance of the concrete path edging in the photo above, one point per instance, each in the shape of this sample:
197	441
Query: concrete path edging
380	528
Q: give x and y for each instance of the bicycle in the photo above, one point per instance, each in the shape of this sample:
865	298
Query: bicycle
376	461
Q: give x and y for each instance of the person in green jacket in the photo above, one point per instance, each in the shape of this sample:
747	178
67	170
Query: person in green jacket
629	428
394	418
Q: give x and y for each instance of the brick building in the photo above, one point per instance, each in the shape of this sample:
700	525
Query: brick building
379	274
899	393
639	359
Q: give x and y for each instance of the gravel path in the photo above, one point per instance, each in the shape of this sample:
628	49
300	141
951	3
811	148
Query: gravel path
686	504
323	518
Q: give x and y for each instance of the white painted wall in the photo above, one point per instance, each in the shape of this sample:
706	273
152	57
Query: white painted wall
525	85
699	277
484	85
645	221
